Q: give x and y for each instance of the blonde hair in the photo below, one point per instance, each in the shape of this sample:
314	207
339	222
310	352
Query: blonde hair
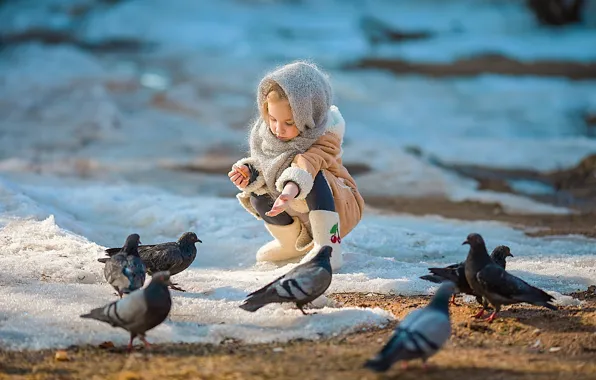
274	94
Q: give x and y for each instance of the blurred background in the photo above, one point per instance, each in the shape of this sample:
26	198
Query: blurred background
491	102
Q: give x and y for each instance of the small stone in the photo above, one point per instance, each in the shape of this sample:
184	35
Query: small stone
62	356
536	332
106	345
537	343
278	349
554	349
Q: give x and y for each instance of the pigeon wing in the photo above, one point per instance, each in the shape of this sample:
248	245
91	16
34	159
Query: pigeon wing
161	257
304	285
129	312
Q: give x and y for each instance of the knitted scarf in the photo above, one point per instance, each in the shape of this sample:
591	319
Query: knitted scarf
309	94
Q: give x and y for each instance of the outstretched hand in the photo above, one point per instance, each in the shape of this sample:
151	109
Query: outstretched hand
281	203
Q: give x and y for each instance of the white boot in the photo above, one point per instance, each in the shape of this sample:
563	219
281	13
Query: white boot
325	231
283	247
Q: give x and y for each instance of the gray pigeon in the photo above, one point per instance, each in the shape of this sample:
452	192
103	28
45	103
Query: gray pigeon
141	311
301	285
497	287
419	335
456	273
173	257
125	271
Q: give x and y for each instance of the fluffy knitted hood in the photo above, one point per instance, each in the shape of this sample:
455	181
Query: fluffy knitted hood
308	91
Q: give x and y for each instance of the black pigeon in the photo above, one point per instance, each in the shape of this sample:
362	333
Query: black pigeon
456	273
419	335
301	285
141	311
125	270
173	257
495	285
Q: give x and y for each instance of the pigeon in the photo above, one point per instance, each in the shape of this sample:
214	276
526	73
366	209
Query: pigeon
301	285
456	273
141	311
419	335
125	271
497	287
173	257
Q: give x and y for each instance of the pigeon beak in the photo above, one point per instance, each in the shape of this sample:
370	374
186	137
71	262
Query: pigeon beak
509	254
465	242
199	240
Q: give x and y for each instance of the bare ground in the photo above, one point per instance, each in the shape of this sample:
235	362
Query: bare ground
533	224
525	343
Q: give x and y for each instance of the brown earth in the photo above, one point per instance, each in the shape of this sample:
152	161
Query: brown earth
525	343
534	225
481	64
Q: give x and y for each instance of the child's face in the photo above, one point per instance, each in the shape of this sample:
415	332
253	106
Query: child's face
281	121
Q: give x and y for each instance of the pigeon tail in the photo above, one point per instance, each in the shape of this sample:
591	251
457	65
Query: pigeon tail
97	314
540	298
112	251
250	305
433	278
548	306
259	298
378	364
446	273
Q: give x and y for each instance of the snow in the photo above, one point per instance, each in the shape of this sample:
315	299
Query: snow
52	235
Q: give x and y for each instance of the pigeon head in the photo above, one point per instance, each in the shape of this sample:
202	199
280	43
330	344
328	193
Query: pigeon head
161	278
474	240
131	246
323	257
501	252
189	238
441	298
324	252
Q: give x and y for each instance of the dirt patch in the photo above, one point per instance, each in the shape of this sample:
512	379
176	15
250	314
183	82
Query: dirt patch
525	343
218	159
589	294
377	31
535	225
574	188
579	180
481	64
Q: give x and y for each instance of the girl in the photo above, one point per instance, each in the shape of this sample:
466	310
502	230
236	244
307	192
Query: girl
294	179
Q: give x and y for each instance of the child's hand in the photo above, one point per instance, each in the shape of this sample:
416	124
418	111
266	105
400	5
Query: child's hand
240	176
281	203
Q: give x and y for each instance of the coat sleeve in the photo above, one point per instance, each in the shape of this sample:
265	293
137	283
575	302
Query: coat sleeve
307	165
256	181
256	185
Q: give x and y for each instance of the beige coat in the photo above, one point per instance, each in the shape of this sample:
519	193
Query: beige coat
324	155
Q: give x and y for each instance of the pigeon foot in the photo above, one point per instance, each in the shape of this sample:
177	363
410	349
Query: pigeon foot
147	344
479	314
492	317
130	346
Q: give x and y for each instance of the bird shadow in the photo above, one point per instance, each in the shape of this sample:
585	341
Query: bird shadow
563	320
223	293
441	373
